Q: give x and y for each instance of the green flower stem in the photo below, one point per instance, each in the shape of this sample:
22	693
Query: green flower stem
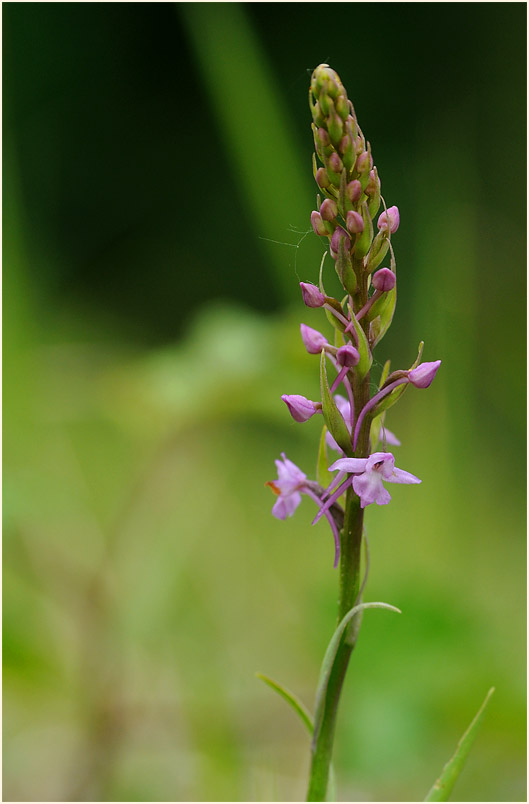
350	561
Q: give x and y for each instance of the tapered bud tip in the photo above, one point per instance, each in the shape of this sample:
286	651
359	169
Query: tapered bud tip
317	223
354	222
393	216
313	340
328	209
384	280
423	375
301	409
312	296
347	355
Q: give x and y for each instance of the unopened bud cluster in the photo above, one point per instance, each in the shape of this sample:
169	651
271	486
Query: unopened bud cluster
349	183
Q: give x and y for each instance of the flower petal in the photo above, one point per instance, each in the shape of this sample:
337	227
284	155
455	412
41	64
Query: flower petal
369	488
400	476
354	465
286	505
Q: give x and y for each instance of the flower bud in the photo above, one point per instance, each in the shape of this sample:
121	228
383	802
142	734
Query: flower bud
317	115
342	107
328	209
423	375
322	178
353	191
335	241
384	280
362	162
355	223
301	409
345	143
348	356
323	137
393	217
335	163
317	223
335	128
313	340
312	296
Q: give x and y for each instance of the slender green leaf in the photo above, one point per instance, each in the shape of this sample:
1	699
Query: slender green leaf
331	414
449	775
330	656
323	476
290	698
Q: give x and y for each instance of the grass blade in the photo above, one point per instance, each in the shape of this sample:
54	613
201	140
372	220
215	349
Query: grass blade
290	698
443	786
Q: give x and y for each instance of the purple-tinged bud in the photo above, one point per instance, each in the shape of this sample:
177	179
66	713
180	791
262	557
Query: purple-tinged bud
335	163
353	191
348	356
355	223
323	137
393	217
312	296
362	162
423	375
317	223
345	143
384	280
313	340
301	409
335	241
322	178
372	184
360	143
328	209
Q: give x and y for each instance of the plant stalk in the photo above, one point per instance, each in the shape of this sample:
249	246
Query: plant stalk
350	564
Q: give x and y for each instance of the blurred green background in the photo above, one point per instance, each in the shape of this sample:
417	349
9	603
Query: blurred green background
157	192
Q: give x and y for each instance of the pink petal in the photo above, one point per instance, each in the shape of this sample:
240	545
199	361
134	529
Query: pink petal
349	465
285	505
400	476
370	489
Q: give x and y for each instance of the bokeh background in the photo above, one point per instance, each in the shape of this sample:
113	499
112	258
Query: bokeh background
157	192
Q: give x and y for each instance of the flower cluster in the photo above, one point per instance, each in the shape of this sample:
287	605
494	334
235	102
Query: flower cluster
354	423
